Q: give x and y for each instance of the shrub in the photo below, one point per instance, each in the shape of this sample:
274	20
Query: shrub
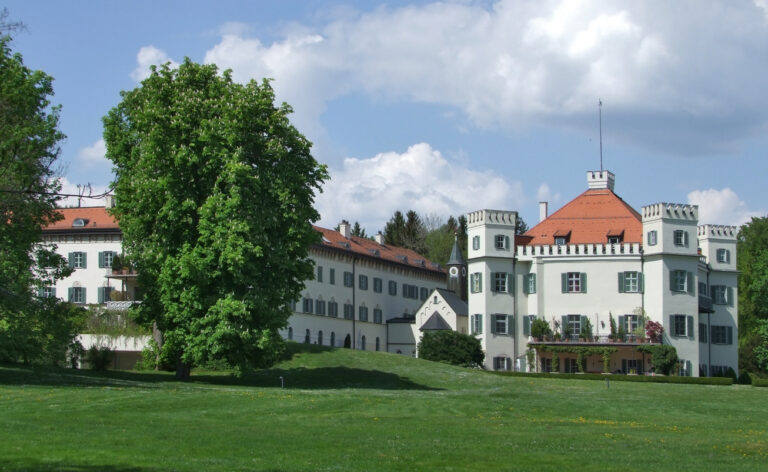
452	347
758	382
663	357
540	328
149	357
654	331
744	378
629	378
99	358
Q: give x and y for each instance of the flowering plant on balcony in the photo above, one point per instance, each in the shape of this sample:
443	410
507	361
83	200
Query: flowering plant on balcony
654	331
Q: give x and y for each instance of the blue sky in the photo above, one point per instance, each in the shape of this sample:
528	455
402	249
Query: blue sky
454	106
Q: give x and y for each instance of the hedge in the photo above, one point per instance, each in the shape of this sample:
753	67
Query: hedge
627	378
756	382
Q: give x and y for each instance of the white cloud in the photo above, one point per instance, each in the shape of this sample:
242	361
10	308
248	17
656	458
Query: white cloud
93	156
687	70
723	207
763	5
421	179
149	56
85	190
544	194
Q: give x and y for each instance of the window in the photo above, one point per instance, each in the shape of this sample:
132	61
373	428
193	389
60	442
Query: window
377	285
106	258
362	282
392	287
681	238
614	240
103	294
377	318
681	325
572	325
724	256
76	295
574	282
722	334
423	293
502	363
629	322
306	337
476	243
290	333
529	284
476	282
546	364
502	282
560	241
332	276
476	324
47	291
653	237
703	333
571	366
349	279
362	313
333	339
333	309
306	306
349	311
501	241
630	282
78	260
681	281
722	295
410	291
319	307
362	343
319	276
293	305
320	337
502	324
378	343
703	288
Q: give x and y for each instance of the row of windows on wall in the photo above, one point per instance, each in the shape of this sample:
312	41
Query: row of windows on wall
717	334
78	294
331	309
319	338
408	291
500	242
680	238
79	259
80	238
571	282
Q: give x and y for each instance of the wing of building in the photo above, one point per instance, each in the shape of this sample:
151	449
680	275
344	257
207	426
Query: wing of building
595	259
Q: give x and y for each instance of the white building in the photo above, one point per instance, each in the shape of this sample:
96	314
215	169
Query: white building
597	257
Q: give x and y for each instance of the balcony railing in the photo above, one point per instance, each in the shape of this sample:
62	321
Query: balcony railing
602	339
705	304
124	273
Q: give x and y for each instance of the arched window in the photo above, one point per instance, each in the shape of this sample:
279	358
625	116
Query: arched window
378	345
290	333
362	343
320	337
306	337
348	342
333	339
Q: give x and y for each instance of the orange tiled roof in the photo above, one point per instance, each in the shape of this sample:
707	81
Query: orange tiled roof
97	218
589	219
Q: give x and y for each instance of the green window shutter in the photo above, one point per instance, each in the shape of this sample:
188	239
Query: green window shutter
480	325
511	325
564	282
621	323
621	282
583	282
582	322
493	324
101	261
82	290
480	282
40	292
85	260
729	296
493	281
729	335
70	294
690	327
688	367
564	319
100	293
689	281
53	292
685	238
71	260
672	280
526	284
511	283
526	326
640	282
506	243
533	282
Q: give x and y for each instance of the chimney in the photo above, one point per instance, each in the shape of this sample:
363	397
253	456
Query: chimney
543	211
379	238
344	228
109	201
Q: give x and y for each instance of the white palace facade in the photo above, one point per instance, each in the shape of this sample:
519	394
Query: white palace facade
594	259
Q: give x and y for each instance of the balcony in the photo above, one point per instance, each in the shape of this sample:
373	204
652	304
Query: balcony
705	304
121	305
122	274
602	340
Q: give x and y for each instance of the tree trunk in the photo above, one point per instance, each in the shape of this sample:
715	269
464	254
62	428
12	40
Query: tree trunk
182	371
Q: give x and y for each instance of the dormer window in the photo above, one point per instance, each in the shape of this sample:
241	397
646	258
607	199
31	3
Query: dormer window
615	236
614	240
562	237
560	240
79	222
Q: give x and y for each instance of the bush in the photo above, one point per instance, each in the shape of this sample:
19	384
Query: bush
149	357
663	357
540	328
757	382
744	378
452	347
99	358
628	378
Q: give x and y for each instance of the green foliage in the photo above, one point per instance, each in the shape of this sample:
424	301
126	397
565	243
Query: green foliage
393	230
428	236
521	227
744	378
112	323
540	328
99	357
451	347
663	357
668	379
761	349
530	356
149	357
358	231
758	382
214	191
752	261
612	321
586	329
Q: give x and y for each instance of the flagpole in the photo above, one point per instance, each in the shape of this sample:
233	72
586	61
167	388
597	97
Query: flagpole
600	115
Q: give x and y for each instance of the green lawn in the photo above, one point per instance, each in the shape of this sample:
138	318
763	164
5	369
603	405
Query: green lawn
346	410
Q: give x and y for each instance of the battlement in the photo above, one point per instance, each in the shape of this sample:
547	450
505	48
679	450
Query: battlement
575	250
718	231
492	217
601	179
674	211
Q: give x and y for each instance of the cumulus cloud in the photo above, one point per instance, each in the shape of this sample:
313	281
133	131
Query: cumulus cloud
85	190
687	70
721	207
421	179
545	194
149	56
93	156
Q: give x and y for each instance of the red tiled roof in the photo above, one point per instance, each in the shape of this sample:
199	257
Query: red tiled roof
97	218
367	247
590	218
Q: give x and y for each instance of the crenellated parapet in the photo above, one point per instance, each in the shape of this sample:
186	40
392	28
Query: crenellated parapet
718	231
670	211
491	217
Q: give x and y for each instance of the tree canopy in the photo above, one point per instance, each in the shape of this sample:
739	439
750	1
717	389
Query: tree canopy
32	328
214	192
752	260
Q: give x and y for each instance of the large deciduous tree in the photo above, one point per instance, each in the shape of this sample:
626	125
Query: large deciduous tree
214	191
752	247
32	329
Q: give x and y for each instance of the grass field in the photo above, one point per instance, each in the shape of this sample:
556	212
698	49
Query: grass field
361	411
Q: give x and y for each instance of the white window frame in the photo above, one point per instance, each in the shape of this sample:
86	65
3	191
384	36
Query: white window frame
560	241
719	294
500	281
78	260
349	279
631	281
679	280
501	241
674	329
500	320
680	238
476	243
78	295
573	282
723	256
476	282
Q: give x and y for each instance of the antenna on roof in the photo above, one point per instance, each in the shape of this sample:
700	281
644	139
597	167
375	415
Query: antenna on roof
600	119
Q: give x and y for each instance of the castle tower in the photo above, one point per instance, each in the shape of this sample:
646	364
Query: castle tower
457	271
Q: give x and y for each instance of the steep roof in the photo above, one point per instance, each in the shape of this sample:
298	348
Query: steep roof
456	258
589	219
458	305
435	323
92	218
